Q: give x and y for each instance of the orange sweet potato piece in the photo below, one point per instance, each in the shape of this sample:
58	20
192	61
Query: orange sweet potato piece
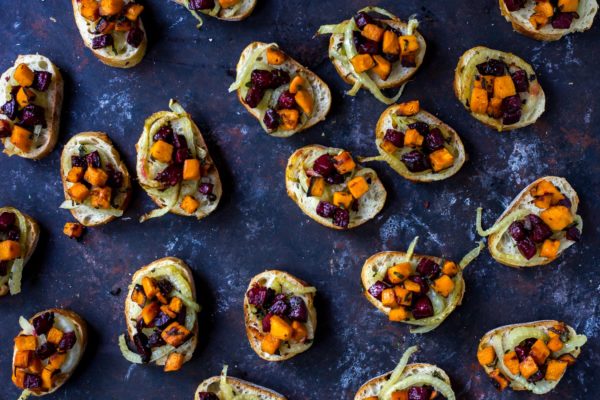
412	286
300	333
189	204
305	101
443	285
568	5
544	8
22	358
150	311
398	314
26	342
57	359
344	162
176	305
18	378
191	170
441	159
25	96
388	298
317	186
479	101
289	119
382	67
412	138
400	395
499	381
399	272
555	370
539	352
388	147
390	43
75	174
90	9
21	138
162	151
550	248
150	287
298	83
54	336
450	268
403	296
9	250
111	7
23	75
73	230
409	108
78	192
372	32
269	344
512	362
95	176
100	197
175	334
555	344
408	44
174	362
275	57
362	62
486	356
358	186
133	11
280	329
342	199
557	217
47	377
528	367
504	87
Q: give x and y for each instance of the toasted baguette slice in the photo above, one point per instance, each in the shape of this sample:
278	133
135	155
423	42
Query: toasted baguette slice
520	20
168	268
369	205
454	145
405	376
66	321
503	333
239	12
127	56
154	189
29	236
239	387
501	245
319	90
287	284
466	70
89	142
44	138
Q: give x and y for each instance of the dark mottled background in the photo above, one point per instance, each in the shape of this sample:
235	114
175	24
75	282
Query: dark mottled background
257	227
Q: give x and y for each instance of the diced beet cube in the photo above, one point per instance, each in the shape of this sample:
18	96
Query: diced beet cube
32	381
395	137
261	78
562	20
362	19
196	5
271	119
511	118
171	175
434	140
102	41
422	308
161	320
164	133
42	323
33	115
565	202
334	178
428	268
155	340
286	100
45	351
517	231
3	268
41	80
260	296
421	282
514	5
421	127
254	96
492	67
115	178
77	161
206	188
280	306
415	161
527	248
181	155
325	209
141	345
574	234
376	289
279	77
10	109
135	37
7	220
539	230
324	165
266	323
419	393
13	233
365	46
298	310
68	341
520	80
5	128
341	218
536	377
179	141
93	159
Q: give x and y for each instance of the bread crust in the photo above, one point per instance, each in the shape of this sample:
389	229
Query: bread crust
547	33
536	98
255	335
115	158
55	99
424	116
246	9
515	204
212	385
80	325
318	85
396	79
112	61
186	272
296	160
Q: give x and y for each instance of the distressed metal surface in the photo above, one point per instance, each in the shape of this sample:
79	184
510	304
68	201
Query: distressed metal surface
257	227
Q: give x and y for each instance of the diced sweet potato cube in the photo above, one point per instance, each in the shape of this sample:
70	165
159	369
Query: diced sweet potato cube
543	202
150	287
408	44
409	108
317	186
174	362
412	138
90	9
443	285
175	334
23	75
512	362
450	268
26	342
342	199
269	344
412	286
297	84
73	230
555	344
289	119
162	151
54	336
78	192
557	217
100	197
304	101
403	296
486	356
504	87
344	162
176	304
35	365
165	309
388	147
47	375
138	296
57	359
18	378
150	311
362	62
133	11
550	248
189	204
568	358
557	330
22	358
388	298
300	333
495	107
479	101
539	352
373	398
358	186
441	159
398	314
275	57
24	96
21	138
538	20
191	169
390	43
373	32
111	7
280	329
555	370
568	5
544	8
75	174
382	67
544	187
95	176
399	272
398	395
500	382
528	367
9	250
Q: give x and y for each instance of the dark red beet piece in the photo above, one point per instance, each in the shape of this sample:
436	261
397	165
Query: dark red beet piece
395	137
254	96
428	268
520	80
391	57
135	37
161	320
280	306
422	283
527	248
434	140
517	231
7	220
32	381
181	155
492	67
102	41
207	396
565	202
562	20
115	178
365	46
415	161
298	310
539	230
93	159
538	376
5	128
196	5
271	119
77	161
422	308
13	233
362	19
155	340
514	5
260	296
33	115
341	218
141	345
68	341
45	351
179	141
279	77
41	80
325	209
165	133
261	78
286	100
171	175
419	393
421	127
266	323
324	165
574	234
334	178
3	268
42	323
376	289
10	109
206	188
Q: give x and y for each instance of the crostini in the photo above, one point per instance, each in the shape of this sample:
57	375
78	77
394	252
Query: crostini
19	234
113	30
499	89
549	20
160	313
531	356
31	93
278	91
374	52
280	315
539	224
416	144
331	188
95	180
174	166
226	10
408	381
47	351
227	388
415	289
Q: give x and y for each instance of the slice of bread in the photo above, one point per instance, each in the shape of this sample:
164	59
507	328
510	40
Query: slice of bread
320	90
254	325
520	20
535	99
504	331
133	310
454	144
500	244
93	141
153	187
369	205
399	74
229	14
65	320
45	141
130	56
240	388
